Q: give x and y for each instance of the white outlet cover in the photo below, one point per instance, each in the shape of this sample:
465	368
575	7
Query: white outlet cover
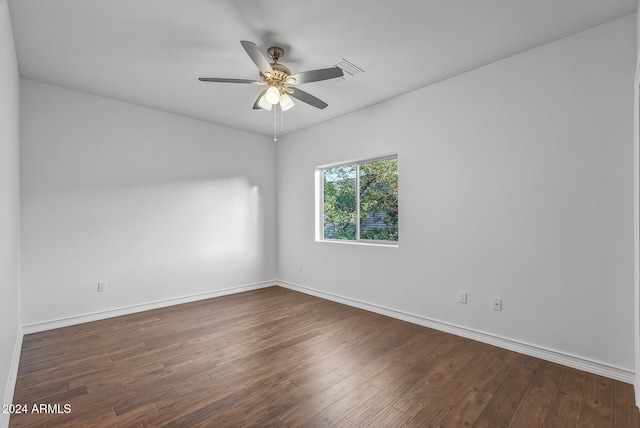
462	297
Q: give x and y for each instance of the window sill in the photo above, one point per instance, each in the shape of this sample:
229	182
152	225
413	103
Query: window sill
361	242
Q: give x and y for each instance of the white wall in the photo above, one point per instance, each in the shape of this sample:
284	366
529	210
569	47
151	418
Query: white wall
516	180
9	210
157	205
637	210
638	27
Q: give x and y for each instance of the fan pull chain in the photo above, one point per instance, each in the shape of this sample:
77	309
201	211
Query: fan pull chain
275	123
281	122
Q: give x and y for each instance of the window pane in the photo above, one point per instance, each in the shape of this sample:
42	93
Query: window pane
379	200
340	202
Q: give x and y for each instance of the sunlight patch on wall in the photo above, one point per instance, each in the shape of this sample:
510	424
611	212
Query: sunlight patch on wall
162	240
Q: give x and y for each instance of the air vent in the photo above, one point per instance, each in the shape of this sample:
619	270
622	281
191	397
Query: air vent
349	68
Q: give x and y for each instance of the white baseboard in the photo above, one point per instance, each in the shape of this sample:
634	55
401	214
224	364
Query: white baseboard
11	380
502	342
576	362
96	316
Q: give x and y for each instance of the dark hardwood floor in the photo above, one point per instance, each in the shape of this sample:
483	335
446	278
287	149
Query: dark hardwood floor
278	358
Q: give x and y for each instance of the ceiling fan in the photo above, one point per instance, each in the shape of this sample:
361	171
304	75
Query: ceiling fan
281	84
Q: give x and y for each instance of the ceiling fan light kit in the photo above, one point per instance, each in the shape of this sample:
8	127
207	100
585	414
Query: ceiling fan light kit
279	80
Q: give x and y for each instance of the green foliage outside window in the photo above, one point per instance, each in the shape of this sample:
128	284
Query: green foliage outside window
378	195
340	202
379	200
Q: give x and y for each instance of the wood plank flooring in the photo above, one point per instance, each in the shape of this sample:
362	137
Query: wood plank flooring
278	358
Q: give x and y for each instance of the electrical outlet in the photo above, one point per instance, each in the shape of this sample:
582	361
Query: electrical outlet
462	297
102	286
497	304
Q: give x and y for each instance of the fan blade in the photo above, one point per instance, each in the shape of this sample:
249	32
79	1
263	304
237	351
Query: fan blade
255	105
317	75
306	97
257	56
225	80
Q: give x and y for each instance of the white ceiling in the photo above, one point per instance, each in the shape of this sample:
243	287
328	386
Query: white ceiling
151	52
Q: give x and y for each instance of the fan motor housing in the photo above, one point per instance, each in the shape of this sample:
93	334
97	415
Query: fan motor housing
281	68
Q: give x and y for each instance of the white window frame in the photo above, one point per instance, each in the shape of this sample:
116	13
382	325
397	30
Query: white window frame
319	190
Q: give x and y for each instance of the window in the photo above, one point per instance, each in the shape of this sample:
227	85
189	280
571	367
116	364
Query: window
359	201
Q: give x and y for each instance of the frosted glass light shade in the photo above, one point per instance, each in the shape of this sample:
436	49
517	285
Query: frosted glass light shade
272	95
285	102
263	103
